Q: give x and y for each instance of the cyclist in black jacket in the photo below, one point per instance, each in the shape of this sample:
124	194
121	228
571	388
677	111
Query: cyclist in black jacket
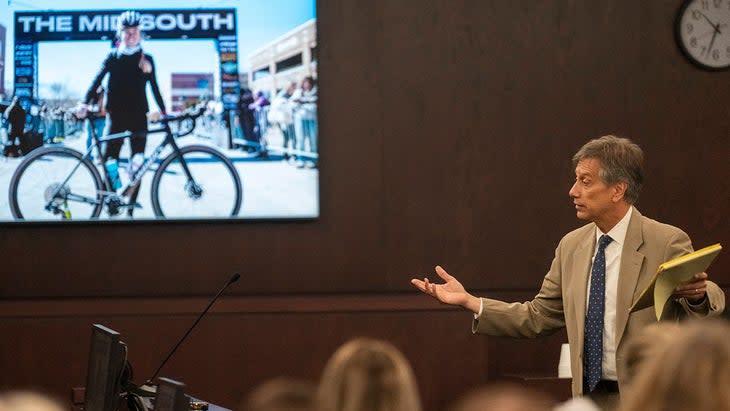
129	70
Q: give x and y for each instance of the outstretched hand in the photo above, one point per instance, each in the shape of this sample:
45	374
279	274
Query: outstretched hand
450	292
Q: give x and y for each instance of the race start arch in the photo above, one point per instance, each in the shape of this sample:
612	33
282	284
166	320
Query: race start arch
58	25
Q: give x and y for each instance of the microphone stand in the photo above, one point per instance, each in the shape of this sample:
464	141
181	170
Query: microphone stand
232	280
148	389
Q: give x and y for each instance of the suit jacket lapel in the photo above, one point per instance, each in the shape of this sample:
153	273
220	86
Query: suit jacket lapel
581	265
631	261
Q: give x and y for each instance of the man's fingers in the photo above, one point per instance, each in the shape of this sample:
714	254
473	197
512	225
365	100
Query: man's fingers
692	286
429	285
419	284
701	276
691	293
443	274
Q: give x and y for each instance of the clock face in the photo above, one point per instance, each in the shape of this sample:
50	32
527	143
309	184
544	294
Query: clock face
703	32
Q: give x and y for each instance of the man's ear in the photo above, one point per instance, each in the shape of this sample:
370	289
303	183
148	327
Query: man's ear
619	191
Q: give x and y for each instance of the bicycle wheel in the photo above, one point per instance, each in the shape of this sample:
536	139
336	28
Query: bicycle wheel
214	191
62	171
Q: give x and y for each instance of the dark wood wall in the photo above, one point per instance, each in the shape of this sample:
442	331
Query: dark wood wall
446	132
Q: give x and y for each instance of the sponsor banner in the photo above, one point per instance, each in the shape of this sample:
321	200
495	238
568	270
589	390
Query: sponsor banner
102	24
25	70
2	59
228	49
59	25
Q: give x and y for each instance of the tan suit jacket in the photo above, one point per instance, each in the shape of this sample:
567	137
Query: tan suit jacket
561	301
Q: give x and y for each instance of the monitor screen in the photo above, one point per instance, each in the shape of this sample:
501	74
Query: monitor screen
107	357
171	396
164	113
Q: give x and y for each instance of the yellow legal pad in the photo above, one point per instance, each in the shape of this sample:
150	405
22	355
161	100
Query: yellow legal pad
670	274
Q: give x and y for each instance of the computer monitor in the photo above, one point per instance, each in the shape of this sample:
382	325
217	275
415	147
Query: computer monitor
107	357
171	396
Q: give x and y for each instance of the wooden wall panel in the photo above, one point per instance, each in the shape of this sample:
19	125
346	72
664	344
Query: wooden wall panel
232	350
447	132
446	135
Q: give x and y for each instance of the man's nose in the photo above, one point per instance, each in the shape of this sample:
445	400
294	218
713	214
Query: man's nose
573	192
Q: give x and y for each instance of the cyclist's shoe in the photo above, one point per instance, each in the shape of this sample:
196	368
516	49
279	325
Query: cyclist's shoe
11	150
59	139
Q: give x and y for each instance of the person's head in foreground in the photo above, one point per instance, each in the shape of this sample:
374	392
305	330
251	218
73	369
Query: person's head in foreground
368	375
690	372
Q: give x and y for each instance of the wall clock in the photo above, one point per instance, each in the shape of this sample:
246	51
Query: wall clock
703	33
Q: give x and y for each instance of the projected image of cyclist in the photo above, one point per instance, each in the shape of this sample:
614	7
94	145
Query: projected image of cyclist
129	70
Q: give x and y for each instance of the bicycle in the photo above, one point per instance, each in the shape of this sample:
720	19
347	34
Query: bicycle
193	181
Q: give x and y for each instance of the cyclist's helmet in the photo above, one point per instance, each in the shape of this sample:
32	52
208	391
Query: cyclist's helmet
129	18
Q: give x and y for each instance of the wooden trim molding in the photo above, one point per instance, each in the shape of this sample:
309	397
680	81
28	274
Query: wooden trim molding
81	307
155	306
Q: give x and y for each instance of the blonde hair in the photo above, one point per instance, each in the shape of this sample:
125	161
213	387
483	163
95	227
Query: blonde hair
691	372
27	400
503	396
645	345
368	374
281	394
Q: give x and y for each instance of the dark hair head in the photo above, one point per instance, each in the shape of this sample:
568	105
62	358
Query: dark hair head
621	162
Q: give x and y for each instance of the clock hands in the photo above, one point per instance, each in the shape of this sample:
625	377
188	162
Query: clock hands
715	32
711	23
704	35
712	41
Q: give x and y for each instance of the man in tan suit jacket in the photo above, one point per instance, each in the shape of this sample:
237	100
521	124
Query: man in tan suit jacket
608	182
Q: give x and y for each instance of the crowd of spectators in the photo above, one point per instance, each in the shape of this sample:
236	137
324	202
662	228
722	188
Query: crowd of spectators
673	367
291	112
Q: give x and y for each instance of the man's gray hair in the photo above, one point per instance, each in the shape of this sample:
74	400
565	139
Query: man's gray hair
621	161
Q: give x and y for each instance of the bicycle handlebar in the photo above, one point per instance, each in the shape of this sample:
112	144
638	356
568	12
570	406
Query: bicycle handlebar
187	114
191	113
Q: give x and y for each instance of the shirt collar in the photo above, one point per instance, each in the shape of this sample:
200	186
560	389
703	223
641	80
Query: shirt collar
128	51
618	232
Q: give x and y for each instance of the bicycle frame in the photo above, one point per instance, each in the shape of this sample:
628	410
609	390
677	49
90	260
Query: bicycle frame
136	177
97	144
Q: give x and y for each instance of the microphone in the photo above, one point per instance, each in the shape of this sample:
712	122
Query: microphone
235	277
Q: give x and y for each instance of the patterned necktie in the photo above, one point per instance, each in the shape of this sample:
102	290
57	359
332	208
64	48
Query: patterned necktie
593	348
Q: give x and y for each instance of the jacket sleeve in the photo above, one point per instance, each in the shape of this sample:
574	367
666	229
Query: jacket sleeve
153	84
541	316
91	92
